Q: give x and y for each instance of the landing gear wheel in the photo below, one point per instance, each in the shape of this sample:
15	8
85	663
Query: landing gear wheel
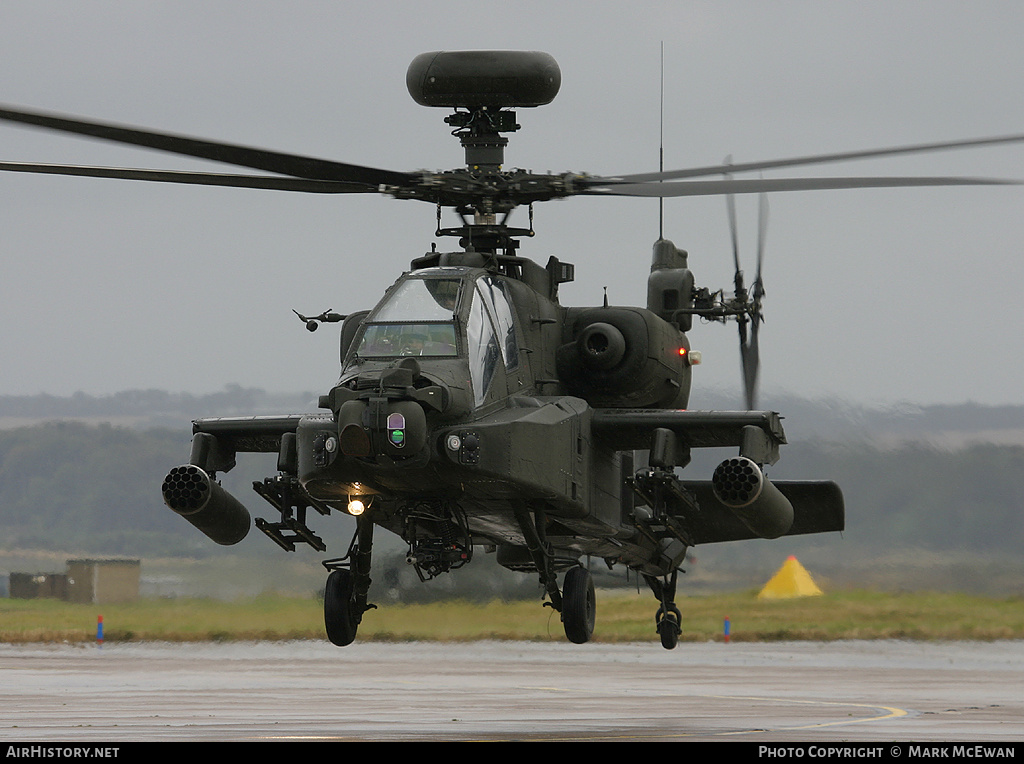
668	620
339	614
579	605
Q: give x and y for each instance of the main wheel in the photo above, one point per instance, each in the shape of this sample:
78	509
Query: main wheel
668	626
579	606
339	616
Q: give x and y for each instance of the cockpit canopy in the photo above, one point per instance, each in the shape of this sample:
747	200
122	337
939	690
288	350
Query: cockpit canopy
417	318
446	313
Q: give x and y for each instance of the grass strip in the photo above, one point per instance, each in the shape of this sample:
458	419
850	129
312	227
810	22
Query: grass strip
622	617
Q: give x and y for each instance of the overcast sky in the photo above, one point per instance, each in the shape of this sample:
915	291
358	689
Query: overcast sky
876	296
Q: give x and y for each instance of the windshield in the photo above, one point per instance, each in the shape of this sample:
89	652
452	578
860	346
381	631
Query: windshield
417	318
390	340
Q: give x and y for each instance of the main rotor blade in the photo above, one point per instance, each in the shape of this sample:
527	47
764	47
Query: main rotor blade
697	172
242	156
762	185
273	182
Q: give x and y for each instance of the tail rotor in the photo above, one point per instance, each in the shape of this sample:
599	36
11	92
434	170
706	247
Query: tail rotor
747	304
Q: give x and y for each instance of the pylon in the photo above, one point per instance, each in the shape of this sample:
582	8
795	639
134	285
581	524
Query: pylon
791	580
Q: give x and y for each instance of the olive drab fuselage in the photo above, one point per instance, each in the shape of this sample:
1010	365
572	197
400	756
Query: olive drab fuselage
470	386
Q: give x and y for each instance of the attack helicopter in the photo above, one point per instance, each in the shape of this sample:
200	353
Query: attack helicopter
474	412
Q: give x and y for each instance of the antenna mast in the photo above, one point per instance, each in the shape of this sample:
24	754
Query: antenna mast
661	145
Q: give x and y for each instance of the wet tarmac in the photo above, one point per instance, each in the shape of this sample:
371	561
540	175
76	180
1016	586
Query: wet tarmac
304	691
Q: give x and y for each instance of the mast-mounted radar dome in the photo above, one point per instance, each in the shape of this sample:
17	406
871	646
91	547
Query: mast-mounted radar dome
472	79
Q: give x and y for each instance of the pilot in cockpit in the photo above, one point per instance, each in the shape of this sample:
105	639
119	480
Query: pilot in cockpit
412	342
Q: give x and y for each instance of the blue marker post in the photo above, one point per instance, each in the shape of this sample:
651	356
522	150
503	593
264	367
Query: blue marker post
726	628
99	631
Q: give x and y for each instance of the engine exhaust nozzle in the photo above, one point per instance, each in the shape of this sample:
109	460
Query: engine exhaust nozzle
742	487
191	493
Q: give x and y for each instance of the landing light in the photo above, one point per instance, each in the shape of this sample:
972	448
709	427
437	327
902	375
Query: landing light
356	507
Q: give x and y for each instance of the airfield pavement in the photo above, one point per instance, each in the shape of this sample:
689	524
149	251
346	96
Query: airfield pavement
866	692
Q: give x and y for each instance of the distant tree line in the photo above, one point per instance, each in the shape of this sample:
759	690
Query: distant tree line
805	418
970	499
97	489
153	405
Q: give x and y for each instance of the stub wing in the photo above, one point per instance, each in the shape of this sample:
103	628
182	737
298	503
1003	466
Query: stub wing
192	491
216	440
250	434
633	429
768	509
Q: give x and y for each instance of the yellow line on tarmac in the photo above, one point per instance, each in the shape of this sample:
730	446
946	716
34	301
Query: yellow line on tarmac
890	712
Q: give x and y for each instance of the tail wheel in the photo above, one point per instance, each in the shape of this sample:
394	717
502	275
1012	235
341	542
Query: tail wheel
339	614
579	605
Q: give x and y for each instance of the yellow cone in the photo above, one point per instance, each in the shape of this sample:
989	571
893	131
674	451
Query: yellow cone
792	580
